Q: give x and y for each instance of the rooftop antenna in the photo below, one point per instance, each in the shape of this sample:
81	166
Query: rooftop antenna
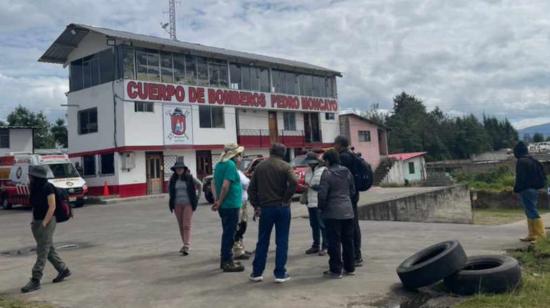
172	20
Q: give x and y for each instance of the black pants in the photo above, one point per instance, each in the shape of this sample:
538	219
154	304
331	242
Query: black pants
356	234
340	245
241	229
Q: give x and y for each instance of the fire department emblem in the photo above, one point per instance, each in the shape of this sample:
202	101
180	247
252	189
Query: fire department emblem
178	120
19	173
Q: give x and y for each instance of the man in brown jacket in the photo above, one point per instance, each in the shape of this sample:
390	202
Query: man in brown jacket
271	188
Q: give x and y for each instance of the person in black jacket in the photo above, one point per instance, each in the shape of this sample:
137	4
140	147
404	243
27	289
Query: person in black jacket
183	201
529	179
347	159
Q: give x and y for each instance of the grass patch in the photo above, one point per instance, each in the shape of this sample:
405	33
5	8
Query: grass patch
534	291
8	302
500	216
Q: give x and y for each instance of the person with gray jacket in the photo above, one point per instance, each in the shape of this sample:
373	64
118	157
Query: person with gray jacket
334	201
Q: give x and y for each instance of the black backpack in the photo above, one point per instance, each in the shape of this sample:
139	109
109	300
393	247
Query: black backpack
539	180
362	173
63	210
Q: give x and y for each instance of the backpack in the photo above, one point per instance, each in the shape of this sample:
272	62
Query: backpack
63	210
362	173
539	179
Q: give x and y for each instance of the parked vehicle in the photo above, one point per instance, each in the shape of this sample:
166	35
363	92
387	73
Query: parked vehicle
14	178
248	164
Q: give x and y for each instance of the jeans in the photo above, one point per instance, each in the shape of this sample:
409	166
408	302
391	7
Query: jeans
230	218
340	245
269	217
45	249
317	228
356	233
529	199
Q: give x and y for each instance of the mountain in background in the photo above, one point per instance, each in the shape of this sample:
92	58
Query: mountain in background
531	130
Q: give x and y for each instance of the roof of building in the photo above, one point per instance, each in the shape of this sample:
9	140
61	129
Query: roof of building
69	39
406	156
360	117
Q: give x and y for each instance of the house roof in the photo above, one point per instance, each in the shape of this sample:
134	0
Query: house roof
73	34
406	156
362	118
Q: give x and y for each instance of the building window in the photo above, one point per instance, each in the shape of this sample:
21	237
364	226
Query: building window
166	68
211	117
88	165
144	107
285	82
289	120
202	72
250	78
330	116
411	168
364	136
126	62
217	73
107	162
4	138
92	70
148	65
87	121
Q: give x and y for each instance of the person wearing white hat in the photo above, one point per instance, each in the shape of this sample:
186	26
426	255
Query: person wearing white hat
228	194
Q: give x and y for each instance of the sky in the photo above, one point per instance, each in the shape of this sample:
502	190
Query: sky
468	56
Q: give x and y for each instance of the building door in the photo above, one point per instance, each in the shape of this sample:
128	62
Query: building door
154	173
204	164
273	128
312	133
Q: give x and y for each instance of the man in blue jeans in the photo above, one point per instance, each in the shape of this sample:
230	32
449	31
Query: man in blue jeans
271	188
227	188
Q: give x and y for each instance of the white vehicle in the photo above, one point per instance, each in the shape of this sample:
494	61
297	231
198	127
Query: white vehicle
14	185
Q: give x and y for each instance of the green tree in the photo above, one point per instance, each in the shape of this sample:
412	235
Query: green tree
538	137
408	124
22	116
59	133
471	137
374	114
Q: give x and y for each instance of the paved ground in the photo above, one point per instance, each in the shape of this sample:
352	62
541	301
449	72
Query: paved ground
132	260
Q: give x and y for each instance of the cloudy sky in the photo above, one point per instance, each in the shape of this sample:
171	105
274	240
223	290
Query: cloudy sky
467	56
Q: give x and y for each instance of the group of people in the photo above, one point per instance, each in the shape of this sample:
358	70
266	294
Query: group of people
331	200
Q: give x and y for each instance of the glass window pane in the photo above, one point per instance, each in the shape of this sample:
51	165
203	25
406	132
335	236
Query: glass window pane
179	68
245	75
190	70
128	63
141	62
217	117
213	74
254	79
108	163
264	80
223	78
277	81
153	66
75	81
202	71
88	165
204	117
167	73
235	71
86	74
106	65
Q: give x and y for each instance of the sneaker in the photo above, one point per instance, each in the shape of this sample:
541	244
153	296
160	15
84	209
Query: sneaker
254	278
62	275
185	251
323	252
358	262
349	273
244	256
312	250
329	274
285	278
231	267
182	248
32	285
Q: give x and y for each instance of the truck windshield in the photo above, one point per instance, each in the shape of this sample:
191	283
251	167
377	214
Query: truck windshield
66	170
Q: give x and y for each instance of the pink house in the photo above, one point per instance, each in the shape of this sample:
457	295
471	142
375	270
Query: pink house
367	137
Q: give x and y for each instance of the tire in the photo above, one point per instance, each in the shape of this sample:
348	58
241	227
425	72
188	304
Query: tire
5	203
485	274
79	203
209	197
432	264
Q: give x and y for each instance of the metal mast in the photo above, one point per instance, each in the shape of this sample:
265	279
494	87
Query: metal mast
172	14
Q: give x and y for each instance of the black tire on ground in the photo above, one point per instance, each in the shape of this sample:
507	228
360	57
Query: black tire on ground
485	274
432	264
209	197
79	203
5	203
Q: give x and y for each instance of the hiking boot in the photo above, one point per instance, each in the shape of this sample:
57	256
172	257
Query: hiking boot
332	275
62	275
255	278
32	285
358	262
346	273
285	278
231	267
312	250
244	256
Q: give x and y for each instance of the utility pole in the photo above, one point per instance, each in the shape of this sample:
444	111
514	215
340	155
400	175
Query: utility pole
172	14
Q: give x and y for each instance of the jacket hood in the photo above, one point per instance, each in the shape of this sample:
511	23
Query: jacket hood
339	170
520	150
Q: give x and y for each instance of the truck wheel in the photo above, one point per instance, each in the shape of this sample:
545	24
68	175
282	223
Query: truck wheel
5	203
209	197
485	274
432	264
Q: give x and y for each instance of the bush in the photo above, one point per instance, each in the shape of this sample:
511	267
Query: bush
499	179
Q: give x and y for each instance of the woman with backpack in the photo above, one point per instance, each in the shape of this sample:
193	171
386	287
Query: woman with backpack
313	179
183	201
42	199
335	192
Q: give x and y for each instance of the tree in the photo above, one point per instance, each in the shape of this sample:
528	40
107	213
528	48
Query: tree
22	116
538	137
374	114
59	133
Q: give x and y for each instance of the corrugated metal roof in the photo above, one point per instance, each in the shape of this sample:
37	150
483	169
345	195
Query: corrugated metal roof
59	51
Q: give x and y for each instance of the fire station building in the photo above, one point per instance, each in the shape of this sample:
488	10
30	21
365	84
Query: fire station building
136	102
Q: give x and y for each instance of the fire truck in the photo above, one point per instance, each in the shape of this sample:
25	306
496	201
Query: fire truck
14	177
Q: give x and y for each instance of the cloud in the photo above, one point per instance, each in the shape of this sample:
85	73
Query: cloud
464	56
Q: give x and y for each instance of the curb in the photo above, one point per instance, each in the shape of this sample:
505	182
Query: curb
101	200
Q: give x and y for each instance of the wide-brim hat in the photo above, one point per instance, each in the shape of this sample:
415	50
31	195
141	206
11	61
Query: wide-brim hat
231	150
179	164
40	172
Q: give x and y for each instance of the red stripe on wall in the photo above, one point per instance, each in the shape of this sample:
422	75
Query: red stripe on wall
123	191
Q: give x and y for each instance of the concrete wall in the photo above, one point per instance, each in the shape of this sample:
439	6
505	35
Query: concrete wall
20	141
504	200
447	205
399	173
330	129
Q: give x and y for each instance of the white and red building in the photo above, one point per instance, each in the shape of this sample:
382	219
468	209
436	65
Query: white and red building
137	101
